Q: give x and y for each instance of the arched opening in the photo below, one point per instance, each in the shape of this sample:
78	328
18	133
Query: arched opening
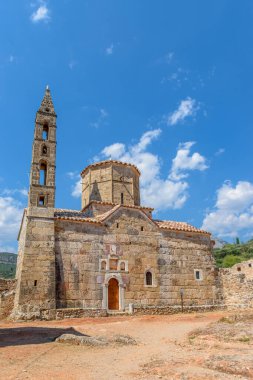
44	150
45	132
113	294
149	278
43	174
122	266
103	265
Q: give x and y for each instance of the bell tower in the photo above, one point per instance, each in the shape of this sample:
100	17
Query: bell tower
42	175
35	273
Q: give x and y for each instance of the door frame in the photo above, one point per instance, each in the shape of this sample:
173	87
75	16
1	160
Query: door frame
118	277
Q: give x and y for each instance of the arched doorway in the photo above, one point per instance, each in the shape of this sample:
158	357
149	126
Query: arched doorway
113	294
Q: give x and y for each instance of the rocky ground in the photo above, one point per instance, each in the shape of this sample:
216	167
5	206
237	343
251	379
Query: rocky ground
216	345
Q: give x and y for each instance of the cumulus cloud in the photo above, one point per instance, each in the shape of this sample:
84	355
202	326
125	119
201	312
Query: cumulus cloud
186	108
233	211
42	13
184	162
156	191
11	212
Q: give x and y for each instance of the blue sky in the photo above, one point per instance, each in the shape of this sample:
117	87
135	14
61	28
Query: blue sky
164	84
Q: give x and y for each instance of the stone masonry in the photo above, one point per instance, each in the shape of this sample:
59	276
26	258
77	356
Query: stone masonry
109	255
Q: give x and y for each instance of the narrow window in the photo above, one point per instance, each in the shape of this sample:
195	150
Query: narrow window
250	265
43	174
35	282
122	198
41	200
239	269
103	265
149	279
142	228
117	225
197	275
122	266
45	132
44	150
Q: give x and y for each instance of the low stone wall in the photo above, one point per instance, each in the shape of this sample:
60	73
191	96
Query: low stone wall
72	313
7	293
167	310
237	285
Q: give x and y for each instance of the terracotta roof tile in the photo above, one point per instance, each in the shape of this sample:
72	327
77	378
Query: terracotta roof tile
178	226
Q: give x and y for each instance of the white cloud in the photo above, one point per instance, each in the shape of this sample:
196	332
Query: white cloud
160	193
41	14
184	162
186	108
9	192
109	50
102	116
233	211
11	212
77	188
219	152
114	151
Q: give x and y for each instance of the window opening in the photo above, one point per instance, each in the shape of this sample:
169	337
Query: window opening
142	228
122	266
44	150
45	132
121	198
149	279
197	275
43	174
35	282
41	200
103	265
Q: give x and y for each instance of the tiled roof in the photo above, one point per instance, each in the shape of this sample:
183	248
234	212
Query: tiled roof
79	216
73	215
101	163
178	226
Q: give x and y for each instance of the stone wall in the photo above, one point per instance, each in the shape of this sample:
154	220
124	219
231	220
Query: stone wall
36	264
129	236
237	285
7	293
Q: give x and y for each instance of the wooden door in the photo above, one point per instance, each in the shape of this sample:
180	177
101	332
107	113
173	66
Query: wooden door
113	294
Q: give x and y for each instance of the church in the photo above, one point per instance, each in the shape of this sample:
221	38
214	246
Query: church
111	256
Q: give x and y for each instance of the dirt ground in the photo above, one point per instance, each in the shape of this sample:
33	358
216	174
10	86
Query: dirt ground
196	346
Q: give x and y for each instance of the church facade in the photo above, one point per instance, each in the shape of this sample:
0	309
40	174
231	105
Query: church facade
111	253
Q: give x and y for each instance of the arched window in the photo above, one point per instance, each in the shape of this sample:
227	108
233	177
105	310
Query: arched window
122	266
103	265
43	174
149	278
44	150
45	132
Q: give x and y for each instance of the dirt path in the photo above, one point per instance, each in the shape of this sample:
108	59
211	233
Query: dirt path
27	350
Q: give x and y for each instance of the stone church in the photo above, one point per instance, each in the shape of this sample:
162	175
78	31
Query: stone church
110	254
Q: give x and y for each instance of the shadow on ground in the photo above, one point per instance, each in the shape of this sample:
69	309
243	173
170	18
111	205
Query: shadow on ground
32	335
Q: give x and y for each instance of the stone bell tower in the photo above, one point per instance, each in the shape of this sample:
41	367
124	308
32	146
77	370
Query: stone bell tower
35	274
42	176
